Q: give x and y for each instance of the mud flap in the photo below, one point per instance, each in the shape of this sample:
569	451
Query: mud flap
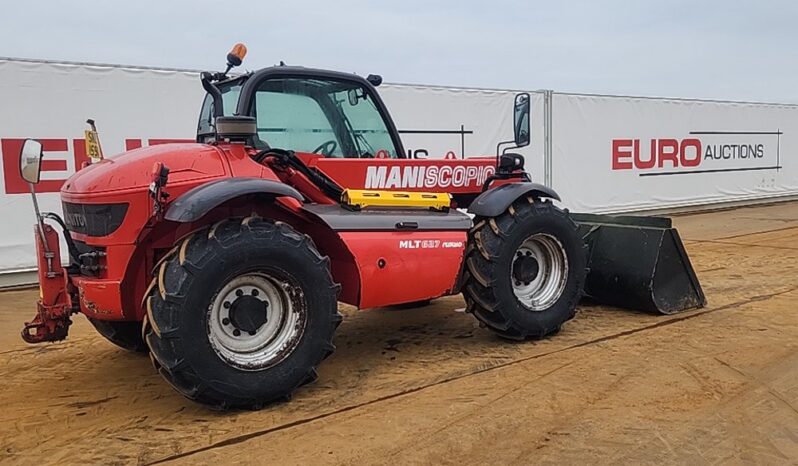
638	263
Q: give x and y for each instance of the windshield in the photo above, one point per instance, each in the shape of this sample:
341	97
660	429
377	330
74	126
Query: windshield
324	116
230	91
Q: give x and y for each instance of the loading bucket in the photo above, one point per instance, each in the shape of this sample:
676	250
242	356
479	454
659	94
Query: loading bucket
638	263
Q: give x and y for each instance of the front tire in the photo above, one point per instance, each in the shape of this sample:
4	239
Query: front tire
126	335
241	313
526	270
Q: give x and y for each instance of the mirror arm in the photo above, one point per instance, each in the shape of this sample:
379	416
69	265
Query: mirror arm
507	146
40	228
216	94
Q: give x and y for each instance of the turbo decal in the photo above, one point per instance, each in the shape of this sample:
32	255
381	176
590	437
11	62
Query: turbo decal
430	244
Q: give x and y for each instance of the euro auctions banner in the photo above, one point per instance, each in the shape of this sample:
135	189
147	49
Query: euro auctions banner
135	107
616	154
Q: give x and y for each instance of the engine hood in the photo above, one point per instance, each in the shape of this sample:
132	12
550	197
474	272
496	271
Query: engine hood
132	170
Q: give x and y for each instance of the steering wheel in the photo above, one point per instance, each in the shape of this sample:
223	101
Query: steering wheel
326	148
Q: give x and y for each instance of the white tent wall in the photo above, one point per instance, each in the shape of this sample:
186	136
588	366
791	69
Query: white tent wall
51	101
138	106
603	154
429	119
621	154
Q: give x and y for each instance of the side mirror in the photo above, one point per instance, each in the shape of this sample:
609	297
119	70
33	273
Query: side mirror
30	161
521	120
353	97
374	79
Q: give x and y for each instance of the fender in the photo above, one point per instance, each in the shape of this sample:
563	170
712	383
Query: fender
494	201
196	202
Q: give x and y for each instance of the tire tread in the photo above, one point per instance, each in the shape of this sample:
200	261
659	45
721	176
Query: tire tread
173	278
488	237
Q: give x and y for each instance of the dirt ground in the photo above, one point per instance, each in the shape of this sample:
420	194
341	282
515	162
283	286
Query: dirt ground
427	385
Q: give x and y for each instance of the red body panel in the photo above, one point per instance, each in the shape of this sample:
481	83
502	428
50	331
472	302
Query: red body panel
102	299
132	171
397	267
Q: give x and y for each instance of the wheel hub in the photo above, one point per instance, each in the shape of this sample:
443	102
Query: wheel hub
248	313
254	322
539	272
525	268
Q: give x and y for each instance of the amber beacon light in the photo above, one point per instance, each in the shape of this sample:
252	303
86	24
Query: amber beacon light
236	55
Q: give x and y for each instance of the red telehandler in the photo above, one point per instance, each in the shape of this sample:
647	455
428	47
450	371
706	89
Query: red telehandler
225	258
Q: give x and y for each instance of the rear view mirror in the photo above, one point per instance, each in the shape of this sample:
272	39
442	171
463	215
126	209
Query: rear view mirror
353	97
30	160
521	120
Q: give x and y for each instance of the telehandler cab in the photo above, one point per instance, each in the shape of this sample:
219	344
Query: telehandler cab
225	258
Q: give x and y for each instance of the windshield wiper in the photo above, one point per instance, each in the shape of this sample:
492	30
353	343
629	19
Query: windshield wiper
356	137
370	150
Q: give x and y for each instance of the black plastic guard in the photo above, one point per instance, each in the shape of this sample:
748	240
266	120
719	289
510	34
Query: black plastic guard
638	263
385	219
496	200
198	201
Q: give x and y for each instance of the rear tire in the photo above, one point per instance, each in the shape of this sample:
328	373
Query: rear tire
526	270
124	334
241	314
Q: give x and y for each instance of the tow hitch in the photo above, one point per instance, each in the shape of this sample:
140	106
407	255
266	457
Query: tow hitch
55	301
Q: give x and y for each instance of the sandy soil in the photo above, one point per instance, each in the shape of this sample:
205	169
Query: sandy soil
428	386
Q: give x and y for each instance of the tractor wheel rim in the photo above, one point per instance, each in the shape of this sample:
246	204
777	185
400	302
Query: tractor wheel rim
255	321
545	266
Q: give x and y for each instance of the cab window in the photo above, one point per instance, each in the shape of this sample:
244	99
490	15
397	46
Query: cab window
329	117
296	122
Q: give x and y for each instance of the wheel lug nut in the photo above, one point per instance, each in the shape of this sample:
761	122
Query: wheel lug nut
237	332
225	321
252	332
517	283
226	304
528	253
254	292
239	293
